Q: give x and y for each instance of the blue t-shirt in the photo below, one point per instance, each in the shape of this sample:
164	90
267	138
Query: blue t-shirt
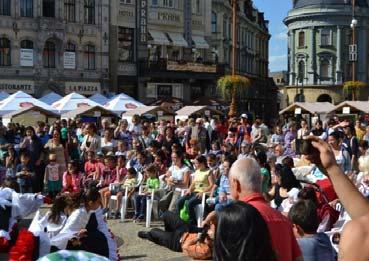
317	248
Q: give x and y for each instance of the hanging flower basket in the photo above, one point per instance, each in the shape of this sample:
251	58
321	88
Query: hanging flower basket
226	84
353	88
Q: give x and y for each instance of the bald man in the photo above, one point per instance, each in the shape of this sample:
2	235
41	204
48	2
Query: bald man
245	185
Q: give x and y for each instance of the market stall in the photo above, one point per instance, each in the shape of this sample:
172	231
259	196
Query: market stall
72	102
20	100
212	103
352	109
196	111
50	98
90	114
99	98
122	103
171	103
150	112
30	116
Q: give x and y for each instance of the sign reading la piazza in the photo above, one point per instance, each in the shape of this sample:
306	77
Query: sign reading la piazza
85	88
12	86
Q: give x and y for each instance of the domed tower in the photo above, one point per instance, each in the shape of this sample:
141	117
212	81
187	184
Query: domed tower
319	38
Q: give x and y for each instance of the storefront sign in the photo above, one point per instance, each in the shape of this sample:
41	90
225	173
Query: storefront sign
346	110
126	13
26	57
85	88
169	17
12	86
69	60
143	15
298	111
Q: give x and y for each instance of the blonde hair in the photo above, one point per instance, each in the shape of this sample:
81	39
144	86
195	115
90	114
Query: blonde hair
52	156
364	163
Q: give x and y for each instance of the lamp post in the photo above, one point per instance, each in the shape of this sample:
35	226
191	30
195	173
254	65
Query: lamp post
353	49
233	107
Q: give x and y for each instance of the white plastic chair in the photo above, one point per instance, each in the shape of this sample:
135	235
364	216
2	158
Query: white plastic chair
200	208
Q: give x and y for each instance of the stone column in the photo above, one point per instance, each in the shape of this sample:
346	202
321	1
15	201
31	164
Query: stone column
362	54
293	58
312	61
339	56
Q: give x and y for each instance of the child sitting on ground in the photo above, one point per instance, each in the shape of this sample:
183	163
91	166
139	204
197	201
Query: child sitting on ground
53	177
314	246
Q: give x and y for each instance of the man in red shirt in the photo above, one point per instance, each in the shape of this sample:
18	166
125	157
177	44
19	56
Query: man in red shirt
245	185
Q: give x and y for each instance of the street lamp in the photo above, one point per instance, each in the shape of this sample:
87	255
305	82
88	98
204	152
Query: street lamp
353	47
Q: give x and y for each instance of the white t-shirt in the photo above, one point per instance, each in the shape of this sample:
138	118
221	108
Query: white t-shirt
178	173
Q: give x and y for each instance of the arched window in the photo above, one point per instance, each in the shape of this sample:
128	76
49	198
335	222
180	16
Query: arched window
49	55
301	71
26	8
5	52
5	7
48	8
324	70
70	10
90	57
26	44
213	22
301	39
89	6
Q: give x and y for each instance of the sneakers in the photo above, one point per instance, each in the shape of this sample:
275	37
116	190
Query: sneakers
143	234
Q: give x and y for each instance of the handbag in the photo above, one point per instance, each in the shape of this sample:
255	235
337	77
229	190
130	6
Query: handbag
184	212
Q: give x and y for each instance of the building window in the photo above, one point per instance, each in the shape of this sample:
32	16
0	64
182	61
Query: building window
126	1
49	55
26	8
195	6
213	22
70	10
168	3
4	7
90	57
48	8
301	71
26	44
325	37
154	2
324	70
301	39
224	28
4	52
89	11
125	44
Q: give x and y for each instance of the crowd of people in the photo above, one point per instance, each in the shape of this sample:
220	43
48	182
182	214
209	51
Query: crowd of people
256	207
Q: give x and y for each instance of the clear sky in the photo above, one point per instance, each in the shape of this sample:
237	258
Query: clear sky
275	11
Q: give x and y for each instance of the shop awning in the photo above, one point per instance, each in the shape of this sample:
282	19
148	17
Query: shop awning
200	42
159	38
178	40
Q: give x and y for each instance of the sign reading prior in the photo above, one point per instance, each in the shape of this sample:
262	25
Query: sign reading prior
12	86
86	88
143	15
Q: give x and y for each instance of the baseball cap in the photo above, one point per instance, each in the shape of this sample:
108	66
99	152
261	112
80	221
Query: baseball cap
244	116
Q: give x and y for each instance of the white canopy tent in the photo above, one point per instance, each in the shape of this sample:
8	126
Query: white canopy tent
4	95
122	103
99	98
71	102
50	98
21	100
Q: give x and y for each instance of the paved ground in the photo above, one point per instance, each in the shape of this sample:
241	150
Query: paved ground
130	246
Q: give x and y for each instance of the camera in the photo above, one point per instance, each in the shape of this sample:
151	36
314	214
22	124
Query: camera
202	236
305	147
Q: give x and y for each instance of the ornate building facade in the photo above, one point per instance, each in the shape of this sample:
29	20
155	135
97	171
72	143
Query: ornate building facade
319	36
54	45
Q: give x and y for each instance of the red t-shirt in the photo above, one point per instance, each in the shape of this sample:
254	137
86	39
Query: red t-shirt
280	228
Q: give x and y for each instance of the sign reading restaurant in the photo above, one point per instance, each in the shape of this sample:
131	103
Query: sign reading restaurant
85	88
12	86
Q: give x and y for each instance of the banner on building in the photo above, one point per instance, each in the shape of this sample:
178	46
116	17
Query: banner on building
26	57
12	86
85	88
69	60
